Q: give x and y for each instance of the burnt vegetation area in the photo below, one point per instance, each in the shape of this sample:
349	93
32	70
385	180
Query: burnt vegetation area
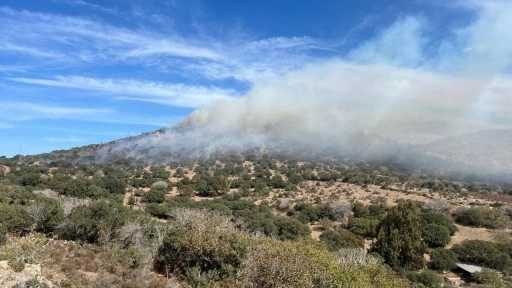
233	220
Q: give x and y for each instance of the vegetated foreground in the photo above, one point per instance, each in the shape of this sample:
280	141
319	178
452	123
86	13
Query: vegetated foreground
251	220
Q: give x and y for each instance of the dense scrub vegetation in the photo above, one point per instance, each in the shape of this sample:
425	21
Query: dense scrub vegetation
237	221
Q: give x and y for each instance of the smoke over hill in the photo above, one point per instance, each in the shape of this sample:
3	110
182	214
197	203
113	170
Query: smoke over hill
380	100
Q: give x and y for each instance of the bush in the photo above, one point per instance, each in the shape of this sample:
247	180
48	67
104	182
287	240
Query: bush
442	260
439	219
46	213
483	253
155	195
15	219
336	239
304	264
363	226
435	235
481	217
204	243
427	278
487	277
360	210
99	222
291	229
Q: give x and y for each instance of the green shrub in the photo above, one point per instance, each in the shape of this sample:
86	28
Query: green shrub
291	229
3	234
439	219
155	195
305	264
15	219
336	239
487	277
481	217
427	278
46	213
97	223
363	226
360	210
442	259
435	235
204	242
483	253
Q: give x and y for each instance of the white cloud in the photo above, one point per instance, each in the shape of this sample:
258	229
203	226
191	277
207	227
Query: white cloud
74	40
178	95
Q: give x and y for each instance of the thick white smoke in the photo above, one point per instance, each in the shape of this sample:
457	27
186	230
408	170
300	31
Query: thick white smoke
387	87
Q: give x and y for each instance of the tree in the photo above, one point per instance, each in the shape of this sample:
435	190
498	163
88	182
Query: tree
399	239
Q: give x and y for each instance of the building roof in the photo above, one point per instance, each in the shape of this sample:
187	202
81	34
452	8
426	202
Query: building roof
469	268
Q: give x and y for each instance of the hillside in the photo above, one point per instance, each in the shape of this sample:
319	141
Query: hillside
483	151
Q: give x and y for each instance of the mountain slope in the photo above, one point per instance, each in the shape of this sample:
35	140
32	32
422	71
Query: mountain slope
483	151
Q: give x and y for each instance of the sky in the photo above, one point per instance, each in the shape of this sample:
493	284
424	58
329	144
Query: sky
79	72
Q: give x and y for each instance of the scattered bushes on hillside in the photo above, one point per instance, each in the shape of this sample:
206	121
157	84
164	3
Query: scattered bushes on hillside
484	253
491	218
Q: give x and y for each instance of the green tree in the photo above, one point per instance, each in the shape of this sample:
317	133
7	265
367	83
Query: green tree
399	239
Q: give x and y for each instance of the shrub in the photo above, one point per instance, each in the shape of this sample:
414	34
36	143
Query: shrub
481	217
487	277
439	219
304	264
336	239
442	260
399	239
482	253
427	278
291	229
46	213
15	219
155	195
360	210
3	234
204	242
363	226
97	223
435	235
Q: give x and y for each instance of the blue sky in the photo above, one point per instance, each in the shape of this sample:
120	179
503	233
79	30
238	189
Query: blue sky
78	72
